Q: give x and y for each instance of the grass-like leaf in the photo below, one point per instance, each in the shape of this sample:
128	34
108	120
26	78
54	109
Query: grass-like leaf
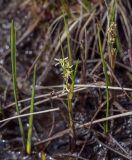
68	39
106	79
29	139
14	77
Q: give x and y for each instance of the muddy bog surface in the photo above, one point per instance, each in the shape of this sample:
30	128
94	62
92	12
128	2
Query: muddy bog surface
41	37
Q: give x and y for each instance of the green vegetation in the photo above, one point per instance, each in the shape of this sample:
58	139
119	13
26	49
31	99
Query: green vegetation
77	99
29	139
106	79
14	77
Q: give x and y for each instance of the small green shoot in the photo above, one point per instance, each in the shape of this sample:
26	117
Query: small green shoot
43	155
14	77
29	139
106	79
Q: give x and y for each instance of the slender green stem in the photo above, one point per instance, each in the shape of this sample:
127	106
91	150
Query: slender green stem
14	77
70	110
29	139
68	40
106	79
43	155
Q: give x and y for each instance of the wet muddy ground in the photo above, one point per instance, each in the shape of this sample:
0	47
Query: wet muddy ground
39	26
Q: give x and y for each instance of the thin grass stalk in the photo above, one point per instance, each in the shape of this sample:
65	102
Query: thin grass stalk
70	97
113	46
74	75
29	139
106	79
71	90
43	155
62	51
71	124
14	77
68	39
